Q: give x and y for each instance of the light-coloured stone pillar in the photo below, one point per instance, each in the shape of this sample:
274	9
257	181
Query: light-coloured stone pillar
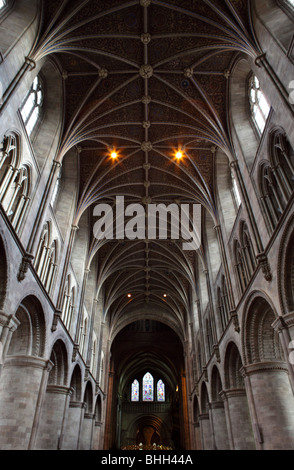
8	324
97	436
206	432
22	390
87	431
271	404
284	326
73	426
218	419
238	419
50	430
197	434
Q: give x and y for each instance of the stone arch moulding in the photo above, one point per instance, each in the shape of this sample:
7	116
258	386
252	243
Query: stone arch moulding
257	349
233	362
285	267
31	311
244	136
143	315
4	270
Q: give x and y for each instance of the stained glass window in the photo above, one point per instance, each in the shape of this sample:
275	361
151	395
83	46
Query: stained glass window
148	387
135	390
160	391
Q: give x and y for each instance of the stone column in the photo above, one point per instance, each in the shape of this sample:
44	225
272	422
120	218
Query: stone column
284	326
220	431
271	404
197	434
97	436
206	432
73	425
8	324
239	426
22	390
50	430
185	411
87	432
107	440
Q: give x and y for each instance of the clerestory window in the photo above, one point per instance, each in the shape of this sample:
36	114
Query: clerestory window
31	108
259	105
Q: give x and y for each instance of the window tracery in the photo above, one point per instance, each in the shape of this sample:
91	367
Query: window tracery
14	181
31	108
277	178
259	105
46	259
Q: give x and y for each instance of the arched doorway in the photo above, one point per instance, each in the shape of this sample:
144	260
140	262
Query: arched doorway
148	392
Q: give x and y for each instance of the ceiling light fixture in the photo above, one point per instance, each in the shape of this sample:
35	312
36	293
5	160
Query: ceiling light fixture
179	155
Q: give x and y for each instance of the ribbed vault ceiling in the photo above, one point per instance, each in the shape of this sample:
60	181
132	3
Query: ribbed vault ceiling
145	77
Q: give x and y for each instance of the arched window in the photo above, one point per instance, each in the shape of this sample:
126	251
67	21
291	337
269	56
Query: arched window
160	391
46	258
209	336
235	191
14	181
148	387
290	3
83	334
259	105
282	157
94	355
135	391
199	357
56	190
271	195
3	4
48	277
248	252
240	268
68	304
223	306
30	109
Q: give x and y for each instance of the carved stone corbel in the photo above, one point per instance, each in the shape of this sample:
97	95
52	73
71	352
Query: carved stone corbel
235	321
56	318
23	269
265	266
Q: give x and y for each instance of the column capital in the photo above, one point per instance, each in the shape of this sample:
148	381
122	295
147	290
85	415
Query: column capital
263	367
30	62
284	322
216	405
56	164
8	321
234	392
204	416
234	164
259	59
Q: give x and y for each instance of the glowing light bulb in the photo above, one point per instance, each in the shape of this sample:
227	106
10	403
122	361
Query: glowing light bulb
129	296
164	295
113	154
179	155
